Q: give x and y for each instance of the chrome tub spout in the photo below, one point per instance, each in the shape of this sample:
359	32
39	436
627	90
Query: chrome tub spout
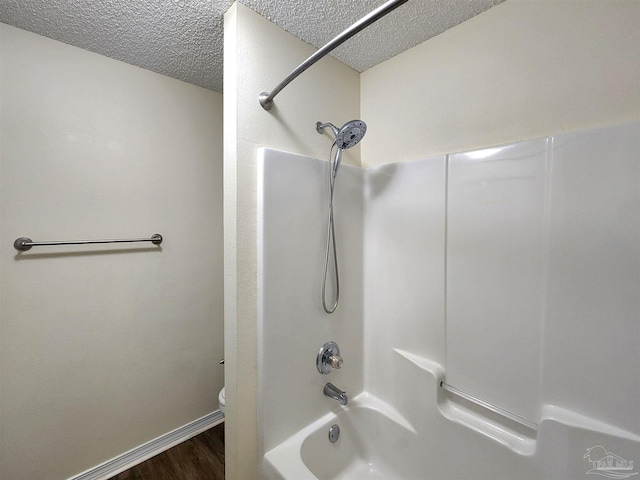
330	390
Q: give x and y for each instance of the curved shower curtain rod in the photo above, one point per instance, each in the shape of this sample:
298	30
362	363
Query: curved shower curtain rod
266	98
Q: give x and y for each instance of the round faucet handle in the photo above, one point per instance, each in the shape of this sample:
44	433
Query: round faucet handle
328	358
335	361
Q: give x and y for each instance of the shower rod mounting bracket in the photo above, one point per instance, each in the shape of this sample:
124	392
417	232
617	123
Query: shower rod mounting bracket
266	100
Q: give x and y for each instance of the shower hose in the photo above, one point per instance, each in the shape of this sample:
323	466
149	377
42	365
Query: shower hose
331	240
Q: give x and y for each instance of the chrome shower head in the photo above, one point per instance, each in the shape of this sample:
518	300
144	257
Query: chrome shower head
346	137
350	134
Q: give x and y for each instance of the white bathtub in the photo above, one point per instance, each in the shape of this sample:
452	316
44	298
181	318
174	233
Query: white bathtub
375	443
447	440
367	436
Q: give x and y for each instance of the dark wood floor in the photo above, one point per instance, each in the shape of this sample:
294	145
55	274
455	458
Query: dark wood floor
199	458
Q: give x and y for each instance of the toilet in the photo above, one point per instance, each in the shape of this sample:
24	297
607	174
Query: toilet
221	394
221	400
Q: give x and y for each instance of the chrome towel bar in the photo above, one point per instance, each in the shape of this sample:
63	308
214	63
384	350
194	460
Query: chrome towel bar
489	406
25	243
266	98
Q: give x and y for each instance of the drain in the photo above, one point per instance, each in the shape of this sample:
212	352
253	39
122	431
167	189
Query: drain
334	433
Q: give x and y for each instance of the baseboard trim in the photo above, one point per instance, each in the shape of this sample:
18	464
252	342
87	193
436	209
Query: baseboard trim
147	450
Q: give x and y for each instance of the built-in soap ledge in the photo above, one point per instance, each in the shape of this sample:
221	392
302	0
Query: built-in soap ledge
516	433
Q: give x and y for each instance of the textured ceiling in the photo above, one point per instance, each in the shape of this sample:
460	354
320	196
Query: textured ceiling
183	38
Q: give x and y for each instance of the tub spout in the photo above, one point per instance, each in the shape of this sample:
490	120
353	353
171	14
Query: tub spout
330	390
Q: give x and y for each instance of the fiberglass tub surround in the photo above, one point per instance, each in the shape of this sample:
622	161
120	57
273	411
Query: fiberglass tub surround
509	273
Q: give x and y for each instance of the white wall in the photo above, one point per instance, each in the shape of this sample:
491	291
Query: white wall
258	55
102	347
594	276
497	209
523	69
292	220
541	286
404	266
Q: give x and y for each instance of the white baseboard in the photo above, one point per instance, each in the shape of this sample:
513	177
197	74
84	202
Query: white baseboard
147	450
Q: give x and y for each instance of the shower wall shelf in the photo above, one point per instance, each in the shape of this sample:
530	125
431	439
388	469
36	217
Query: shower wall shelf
25	243
266	98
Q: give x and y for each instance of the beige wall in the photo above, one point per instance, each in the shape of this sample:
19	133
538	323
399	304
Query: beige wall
104	348
521	70
258	55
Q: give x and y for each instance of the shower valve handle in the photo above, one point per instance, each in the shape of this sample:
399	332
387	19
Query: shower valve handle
335	361
328	358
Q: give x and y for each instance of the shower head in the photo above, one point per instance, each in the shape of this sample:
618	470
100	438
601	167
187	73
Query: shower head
350	134
346	137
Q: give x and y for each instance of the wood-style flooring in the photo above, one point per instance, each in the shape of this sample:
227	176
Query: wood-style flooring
199	458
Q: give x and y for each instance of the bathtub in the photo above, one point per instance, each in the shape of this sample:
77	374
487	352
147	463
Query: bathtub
447	439
375	442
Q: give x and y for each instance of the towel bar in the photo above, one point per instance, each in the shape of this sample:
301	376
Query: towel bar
25	243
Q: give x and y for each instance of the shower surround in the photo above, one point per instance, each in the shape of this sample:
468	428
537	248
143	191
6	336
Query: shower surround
509	273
